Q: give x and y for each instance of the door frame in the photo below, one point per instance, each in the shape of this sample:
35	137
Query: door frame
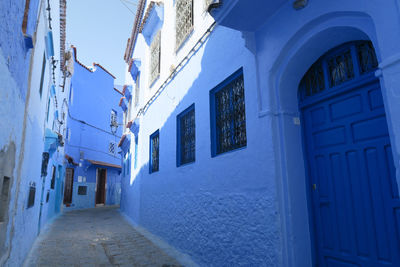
282	79
105	186
72	185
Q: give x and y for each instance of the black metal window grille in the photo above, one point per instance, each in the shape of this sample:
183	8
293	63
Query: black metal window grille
82	190
111	148
42	75
186	136
45	161
155	53
53	177
184	20
366	57
32	193
340	68
335	68
155	152
229	129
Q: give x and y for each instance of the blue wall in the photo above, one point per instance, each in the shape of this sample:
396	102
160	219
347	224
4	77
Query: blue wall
12	43
89	134
23	125
249	207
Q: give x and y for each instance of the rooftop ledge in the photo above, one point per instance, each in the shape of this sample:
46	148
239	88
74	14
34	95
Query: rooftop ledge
244	15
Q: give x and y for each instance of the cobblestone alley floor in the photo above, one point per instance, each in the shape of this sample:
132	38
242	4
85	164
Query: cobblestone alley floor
95	237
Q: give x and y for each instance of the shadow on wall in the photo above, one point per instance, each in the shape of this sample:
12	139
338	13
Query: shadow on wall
220	210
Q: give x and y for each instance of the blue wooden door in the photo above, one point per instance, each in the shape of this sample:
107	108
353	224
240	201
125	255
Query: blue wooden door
351	176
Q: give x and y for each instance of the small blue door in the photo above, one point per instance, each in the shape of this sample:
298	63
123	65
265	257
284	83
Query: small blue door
351	176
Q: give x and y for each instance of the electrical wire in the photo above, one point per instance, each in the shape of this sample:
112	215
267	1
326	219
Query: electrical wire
122	2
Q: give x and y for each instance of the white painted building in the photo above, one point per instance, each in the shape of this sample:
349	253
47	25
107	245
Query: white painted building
251	139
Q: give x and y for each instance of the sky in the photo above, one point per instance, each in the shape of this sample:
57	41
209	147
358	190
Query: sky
99	29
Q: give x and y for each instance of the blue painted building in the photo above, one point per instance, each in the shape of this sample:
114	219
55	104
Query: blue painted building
266	133
31	142
92	162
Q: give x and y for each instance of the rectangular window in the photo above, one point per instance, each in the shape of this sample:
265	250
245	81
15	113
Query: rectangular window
53	177
228	115
42	75
137	86
186	136
154	151
32	193
111	148
155	54
184	21
82	190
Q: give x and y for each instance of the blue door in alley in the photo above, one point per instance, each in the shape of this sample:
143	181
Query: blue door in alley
353	194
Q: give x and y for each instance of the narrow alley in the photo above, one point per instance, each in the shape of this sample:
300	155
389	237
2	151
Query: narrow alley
178	133
95	237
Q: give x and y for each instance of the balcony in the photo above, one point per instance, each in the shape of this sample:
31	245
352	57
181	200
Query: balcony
244	15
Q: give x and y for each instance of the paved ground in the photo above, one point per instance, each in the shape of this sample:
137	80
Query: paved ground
95	237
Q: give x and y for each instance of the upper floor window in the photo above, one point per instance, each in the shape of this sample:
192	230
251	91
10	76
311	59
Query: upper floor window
111	147
154	151
42	75
184	20
155	54
186	136
228	116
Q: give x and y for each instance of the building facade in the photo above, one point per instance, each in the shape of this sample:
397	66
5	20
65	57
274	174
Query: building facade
92	162
266	134
31	141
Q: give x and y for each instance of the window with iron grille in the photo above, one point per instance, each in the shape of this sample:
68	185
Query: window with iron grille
32	193
42	75
184	20
186	136
82	190
338	67
155	54
53	177
154	151
111	148
228	115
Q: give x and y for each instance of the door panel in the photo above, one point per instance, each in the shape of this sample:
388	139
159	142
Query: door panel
69	180
351	173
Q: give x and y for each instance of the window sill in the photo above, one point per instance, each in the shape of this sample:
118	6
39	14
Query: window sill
228	152
155	80
186	164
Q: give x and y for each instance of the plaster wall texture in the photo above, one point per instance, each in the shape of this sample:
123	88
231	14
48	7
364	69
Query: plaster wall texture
26	120
286	54
249	207
12	40
221	211
14	64
89	135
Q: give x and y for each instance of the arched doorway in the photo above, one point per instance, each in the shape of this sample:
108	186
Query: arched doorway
348	160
